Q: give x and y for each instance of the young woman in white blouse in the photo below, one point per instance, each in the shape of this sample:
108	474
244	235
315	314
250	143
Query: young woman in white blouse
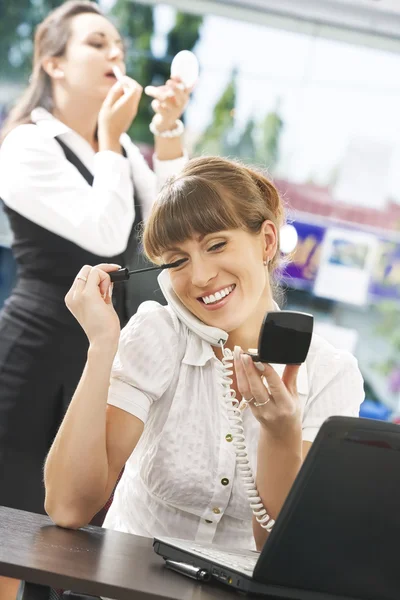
168	415
71	181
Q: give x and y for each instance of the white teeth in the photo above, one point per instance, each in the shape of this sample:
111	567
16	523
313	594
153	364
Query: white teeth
218	295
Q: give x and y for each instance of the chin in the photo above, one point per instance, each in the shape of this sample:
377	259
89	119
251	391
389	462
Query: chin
227	325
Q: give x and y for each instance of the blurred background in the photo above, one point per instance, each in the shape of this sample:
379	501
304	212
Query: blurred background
308	90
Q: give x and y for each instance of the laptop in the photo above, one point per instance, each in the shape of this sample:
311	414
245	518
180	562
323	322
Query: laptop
337	536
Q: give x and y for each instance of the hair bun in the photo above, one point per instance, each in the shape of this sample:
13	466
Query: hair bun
269	193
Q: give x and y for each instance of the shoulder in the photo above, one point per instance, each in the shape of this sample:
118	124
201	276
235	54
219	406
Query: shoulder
325	363
153	325
30	137
150	349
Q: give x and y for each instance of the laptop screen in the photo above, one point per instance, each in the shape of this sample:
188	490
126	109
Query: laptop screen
339	531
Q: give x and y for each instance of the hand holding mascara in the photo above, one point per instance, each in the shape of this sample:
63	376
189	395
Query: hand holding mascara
124	274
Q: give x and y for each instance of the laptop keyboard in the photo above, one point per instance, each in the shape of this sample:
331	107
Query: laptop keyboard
244	562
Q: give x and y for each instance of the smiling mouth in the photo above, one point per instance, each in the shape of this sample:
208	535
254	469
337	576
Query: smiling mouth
218	296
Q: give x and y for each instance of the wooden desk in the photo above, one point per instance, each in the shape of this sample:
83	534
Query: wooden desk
93	561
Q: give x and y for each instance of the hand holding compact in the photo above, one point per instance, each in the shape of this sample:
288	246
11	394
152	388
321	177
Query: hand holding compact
273	401
90	301
170	101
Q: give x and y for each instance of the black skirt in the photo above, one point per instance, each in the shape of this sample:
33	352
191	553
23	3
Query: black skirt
42	355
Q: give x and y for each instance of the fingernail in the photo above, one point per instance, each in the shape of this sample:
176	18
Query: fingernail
259	366
236	352
110	290
114	265
245	359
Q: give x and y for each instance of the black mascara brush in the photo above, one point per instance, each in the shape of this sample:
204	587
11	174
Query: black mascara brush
124	274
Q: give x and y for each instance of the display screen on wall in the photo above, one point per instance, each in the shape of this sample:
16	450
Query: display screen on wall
344	264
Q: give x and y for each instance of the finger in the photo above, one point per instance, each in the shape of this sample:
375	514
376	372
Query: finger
97	283
81	278
129	83
159	93
162	109
176	82
108	295
289	377
178	88
241	378
131	95
155	105
257	388
113	95
99	278
108	267
272	379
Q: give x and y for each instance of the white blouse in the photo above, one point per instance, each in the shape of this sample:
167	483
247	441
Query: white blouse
39	183
181	480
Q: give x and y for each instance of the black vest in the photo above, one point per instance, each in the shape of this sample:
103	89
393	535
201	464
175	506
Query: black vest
49	258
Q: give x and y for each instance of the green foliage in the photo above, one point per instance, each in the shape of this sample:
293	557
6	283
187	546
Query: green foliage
18	20
258	142
216	138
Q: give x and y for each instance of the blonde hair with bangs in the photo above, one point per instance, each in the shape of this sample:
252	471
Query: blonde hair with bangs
211	194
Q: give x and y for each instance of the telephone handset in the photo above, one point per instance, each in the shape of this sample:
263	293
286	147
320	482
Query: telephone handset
212	335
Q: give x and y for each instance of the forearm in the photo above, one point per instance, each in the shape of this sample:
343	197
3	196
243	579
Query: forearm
278	462
168	148
76	469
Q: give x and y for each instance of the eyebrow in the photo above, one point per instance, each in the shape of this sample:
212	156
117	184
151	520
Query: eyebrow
199	238
103	35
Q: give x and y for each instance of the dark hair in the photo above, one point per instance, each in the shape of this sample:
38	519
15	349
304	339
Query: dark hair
211	194
51	38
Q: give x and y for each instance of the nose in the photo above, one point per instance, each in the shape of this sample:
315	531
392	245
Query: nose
115	52
203	271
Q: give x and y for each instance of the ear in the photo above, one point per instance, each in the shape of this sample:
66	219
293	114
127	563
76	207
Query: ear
52	67
269	237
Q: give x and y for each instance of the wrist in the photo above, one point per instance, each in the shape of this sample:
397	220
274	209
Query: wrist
166	129
109	141
103	349
162	125
285	433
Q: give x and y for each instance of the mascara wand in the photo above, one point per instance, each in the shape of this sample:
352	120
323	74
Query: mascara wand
124	274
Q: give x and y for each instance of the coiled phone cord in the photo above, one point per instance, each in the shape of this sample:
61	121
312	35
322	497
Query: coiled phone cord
239	443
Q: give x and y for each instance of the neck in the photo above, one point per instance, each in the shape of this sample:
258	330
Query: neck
80	115
246	336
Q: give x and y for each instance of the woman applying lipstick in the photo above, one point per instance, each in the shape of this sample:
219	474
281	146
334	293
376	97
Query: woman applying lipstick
167	413
71	182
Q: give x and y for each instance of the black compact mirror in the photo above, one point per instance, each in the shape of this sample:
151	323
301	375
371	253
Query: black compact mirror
285	338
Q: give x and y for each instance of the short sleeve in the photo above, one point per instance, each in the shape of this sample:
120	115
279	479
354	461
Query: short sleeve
337	388
146	360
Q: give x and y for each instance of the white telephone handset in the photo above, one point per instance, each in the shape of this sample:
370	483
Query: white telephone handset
218	337
212	335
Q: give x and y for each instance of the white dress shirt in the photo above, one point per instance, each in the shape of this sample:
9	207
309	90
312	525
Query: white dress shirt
38	182
181	480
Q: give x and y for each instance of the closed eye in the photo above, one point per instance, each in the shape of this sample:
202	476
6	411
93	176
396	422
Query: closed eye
218	246
179	263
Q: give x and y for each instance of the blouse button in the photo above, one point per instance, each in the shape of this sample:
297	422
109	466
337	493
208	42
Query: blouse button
216	511
228	437
224	481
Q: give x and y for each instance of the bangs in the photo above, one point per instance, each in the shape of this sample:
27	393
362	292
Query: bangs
184	208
